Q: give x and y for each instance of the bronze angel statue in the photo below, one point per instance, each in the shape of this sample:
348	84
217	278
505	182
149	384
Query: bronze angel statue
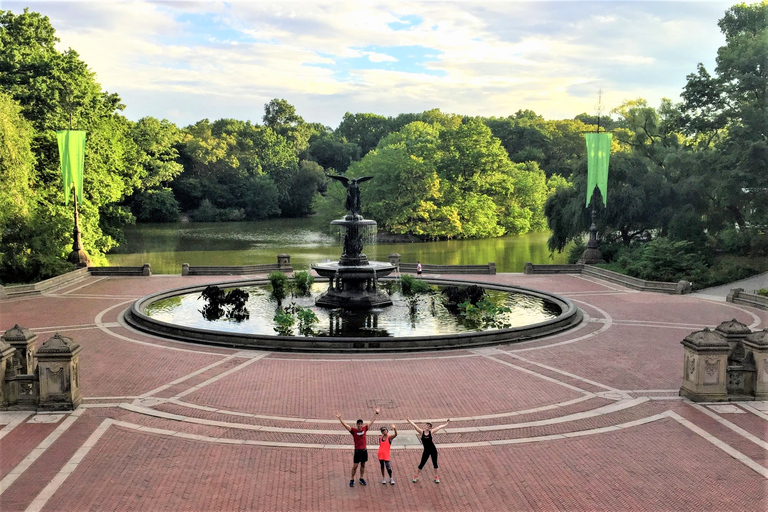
352	204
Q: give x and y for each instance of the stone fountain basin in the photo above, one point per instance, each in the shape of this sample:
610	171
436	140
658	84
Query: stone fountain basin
136	317
373	268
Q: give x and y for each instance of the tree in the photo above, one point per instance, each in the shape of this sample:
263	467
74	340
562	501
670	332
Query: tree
282	118
365	130
56	90
158	143
727	114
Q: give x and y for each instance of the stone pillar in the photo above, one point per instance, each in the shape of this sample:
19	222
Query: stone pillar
146	270
185	269
733	294
704	367
734	332
283	260
23	340
6	358
756	346
528	269
683	287
58	364
394	259
2	291
492	268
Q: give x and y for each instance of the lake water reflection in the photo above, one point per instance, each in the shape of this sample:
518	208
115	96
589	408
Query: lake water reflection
167	246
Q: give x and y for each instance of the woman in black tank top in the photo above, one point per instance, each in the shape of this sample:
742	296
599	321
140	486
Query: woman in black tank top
430	450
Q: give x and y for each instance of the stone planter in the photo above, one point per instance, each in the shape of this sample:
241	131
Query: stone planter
58	366
704	367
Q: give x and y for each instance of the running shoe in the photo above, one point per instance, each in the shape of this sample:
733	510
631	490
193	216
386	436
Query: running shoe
384	481
362	482
351	483
415	479
392	481
437	480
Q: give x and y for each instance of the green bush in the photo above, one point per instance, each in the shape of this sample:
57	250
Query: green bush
207	212
279	283
284	321
763	292
411	285
665	260
302	281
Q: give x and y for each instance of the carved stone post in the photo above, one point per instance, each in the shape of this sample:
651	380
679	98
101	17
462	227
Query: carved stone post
58	363
740	374
146	270
185	269
756	346
23	340
283	260
6	358
394	259
704	365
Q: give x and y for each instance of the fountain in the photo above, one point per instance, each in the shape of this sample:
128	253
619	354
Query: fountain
354	314
353	279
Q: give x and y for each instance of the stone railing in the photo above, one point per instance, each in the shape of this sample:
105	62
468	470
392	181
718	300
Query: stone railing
678	288
21	290
144	270
237	270
490	268
739	296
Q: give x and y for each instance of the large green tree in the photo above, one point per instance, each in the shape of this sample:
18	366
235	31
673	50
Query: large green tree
56	90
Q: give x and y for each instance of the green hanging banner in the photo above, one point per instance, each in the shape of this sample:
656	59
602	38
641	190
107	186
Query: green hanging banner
72	154
598	154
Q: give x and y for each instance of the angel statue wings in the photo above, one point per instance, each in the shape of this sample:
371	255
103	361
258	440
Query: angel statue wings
352	204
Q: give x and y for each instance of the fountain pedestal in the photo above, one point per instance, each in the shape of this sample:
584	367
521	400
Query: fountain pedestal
353	279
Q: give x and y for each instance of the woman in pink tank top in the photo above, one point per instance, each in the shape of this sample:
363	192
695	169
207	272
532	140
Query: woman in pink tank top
385	443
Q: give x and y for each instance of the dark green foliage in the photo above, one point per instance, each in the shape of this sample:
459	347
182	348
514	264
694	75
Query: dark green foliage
664	260
209	213
219	304
457	295
302	282
279	283
411	286
156	205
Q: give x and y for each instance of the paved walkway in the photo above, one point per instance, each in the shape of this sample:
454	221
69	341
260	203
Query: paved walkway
750	284
585	420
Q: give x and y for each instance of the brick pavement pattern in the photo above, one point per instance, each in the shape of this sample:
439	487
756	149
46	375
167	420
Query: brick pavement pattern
584	420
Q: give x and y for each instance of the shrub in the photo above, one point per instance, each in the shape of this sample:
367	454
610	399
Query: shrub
284	321
575	252
302	281
411	285
763	292
664	260
279	283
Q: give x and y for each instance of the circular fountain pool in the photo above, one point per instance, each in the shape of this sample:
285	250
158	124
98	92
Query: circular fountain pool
412	323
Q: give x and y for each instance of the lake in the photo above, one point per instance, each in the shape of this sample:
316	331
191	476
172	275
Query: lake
167	246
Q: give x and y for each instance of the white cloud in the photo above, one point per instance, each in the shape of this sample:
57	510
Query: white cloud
475	58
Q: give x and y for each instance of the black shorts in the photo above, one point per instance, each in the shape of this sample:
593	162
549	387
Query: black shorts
360	456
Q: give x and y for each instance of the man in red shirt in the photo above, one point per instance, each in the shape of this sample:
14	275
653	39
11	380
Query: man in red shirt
359	432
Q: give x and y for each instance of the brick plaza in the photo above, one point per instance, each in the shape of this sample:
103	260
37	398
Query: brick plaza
584	420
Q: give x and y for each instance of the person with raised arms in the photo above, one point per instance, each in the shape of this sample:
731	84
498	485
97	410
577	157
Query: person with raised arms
430	450
359	432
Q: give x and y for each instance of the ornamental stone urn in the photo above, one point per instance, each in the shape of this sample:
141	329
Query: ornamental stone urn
58	363
704	366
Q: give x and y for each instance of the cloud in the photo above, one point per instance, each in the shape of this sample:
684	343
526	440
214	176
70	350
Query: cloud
190	60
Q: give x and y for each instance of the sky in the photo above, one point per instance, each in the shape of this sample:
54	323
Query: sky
185	61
